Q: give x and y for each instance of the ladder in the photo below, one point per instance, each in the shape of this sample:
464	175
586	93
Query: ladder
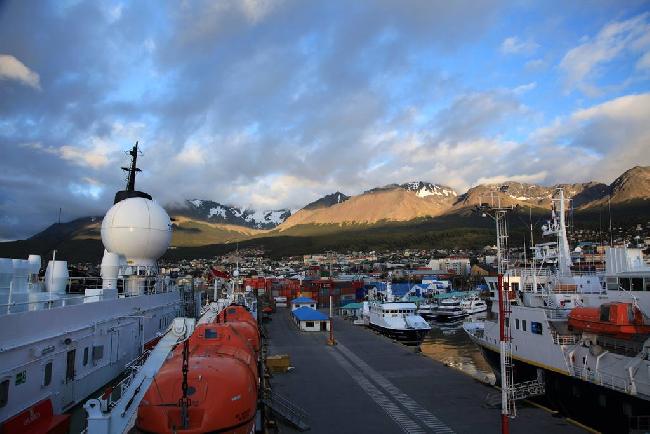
284	408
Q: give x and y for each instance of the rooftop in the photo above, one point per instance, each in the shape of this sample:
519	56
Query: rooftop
303	300
305	313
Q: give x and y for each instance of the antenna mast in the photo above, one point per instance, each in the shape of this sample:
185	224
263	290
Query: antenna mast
498	214
132	170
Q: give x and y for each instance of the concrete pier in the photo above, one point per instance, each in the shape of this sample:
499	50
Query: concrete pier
370	384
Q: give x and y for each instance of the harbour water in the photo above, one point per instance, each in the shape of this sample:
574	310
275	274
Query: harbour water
449	344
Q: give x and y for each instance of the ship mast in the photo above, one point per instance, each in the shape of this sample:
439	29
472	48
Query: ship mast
133	169
498	214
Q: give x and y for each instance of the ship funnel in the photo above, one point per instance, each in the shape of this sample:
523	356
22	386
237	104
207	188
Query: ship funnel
56	277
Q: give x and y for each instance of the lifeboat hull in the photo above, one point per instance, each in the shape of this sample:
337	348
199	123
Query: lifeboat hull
620	320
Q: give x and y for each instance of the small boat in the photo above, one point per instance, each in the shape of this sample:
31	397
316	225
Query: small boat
426	311
621	320
449	310
473	304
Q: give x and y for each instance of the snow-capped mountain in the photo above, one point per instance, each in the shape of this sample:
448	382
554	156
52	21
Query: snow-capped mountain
327	201
218	213
424	189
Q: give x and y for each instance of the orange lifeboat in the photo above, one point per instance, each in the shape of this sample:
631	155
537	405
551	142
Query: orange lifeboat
222	385
621	320
242	320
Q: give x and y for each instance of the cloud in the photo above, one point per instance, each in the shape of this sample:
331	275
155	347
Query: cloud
13	69
583	64
519	90
271	104
615	133
514	45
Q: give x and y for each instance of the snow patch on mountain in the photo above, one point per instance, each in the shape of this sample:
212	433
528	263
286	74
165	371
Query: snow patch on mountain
424	189
219	213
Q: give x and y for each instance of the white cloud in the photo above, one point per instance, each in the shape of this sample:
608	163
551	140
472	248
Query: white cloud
192	154
13	69
530	179
581	63
514	45
535	65
519	90
615	135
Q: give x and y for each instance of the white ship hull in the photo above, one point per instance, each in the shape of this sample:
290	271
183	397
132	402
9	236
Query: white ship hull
65	354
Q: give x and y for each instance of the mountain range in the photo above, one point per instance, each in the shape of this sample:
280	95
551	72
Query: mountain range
392	212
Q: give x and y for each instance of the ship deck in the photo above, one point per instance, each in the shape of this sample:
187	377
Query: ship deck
369	383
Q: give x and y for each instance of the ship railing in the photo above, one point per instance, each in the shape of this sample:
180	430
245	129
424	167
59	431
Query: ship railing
606	380
556	314
48	300
113	394
559	339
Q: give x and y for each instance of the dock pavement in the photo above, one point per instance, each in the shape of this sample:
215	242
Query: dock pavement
371	384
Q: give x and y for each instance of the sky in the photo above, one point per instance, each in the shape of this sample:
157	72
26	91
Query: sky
274	103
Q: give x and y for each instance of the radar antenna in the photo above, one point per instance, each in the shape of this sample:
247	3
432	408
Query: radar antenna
130	181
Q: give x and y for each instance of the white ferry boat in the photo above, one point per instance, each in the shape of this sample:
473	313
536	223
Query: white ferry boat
57	348
473	304
395	319
450	309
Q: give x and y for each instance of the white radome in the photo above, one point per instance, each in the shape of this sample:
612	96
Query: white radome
138	229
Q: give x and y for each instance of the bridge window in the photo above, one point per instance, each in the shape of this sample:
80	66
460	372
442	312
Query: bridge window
536	327
637	284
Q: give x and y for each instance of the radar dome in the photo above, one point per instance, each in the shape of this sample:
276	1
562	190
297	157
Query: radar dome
137	228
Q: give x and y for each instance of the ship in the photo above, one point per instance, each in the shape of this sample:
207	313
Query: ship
592	374
56	347
396	319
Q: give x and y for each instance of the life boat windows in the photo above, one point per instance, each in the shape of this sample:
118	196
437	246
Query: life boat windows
232	311
604	312
211	334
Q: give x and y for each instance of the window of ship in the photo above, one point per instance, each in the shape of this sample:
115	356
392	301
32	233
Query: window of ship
536	327
85	359
98	352
624	283
210	334
517	323
523	324
515	286
637	284
507	321
647	284
4	393
47	374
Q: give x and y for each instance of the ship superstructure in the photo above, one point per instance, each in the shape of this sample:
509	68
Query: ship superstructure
57	348
589	373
